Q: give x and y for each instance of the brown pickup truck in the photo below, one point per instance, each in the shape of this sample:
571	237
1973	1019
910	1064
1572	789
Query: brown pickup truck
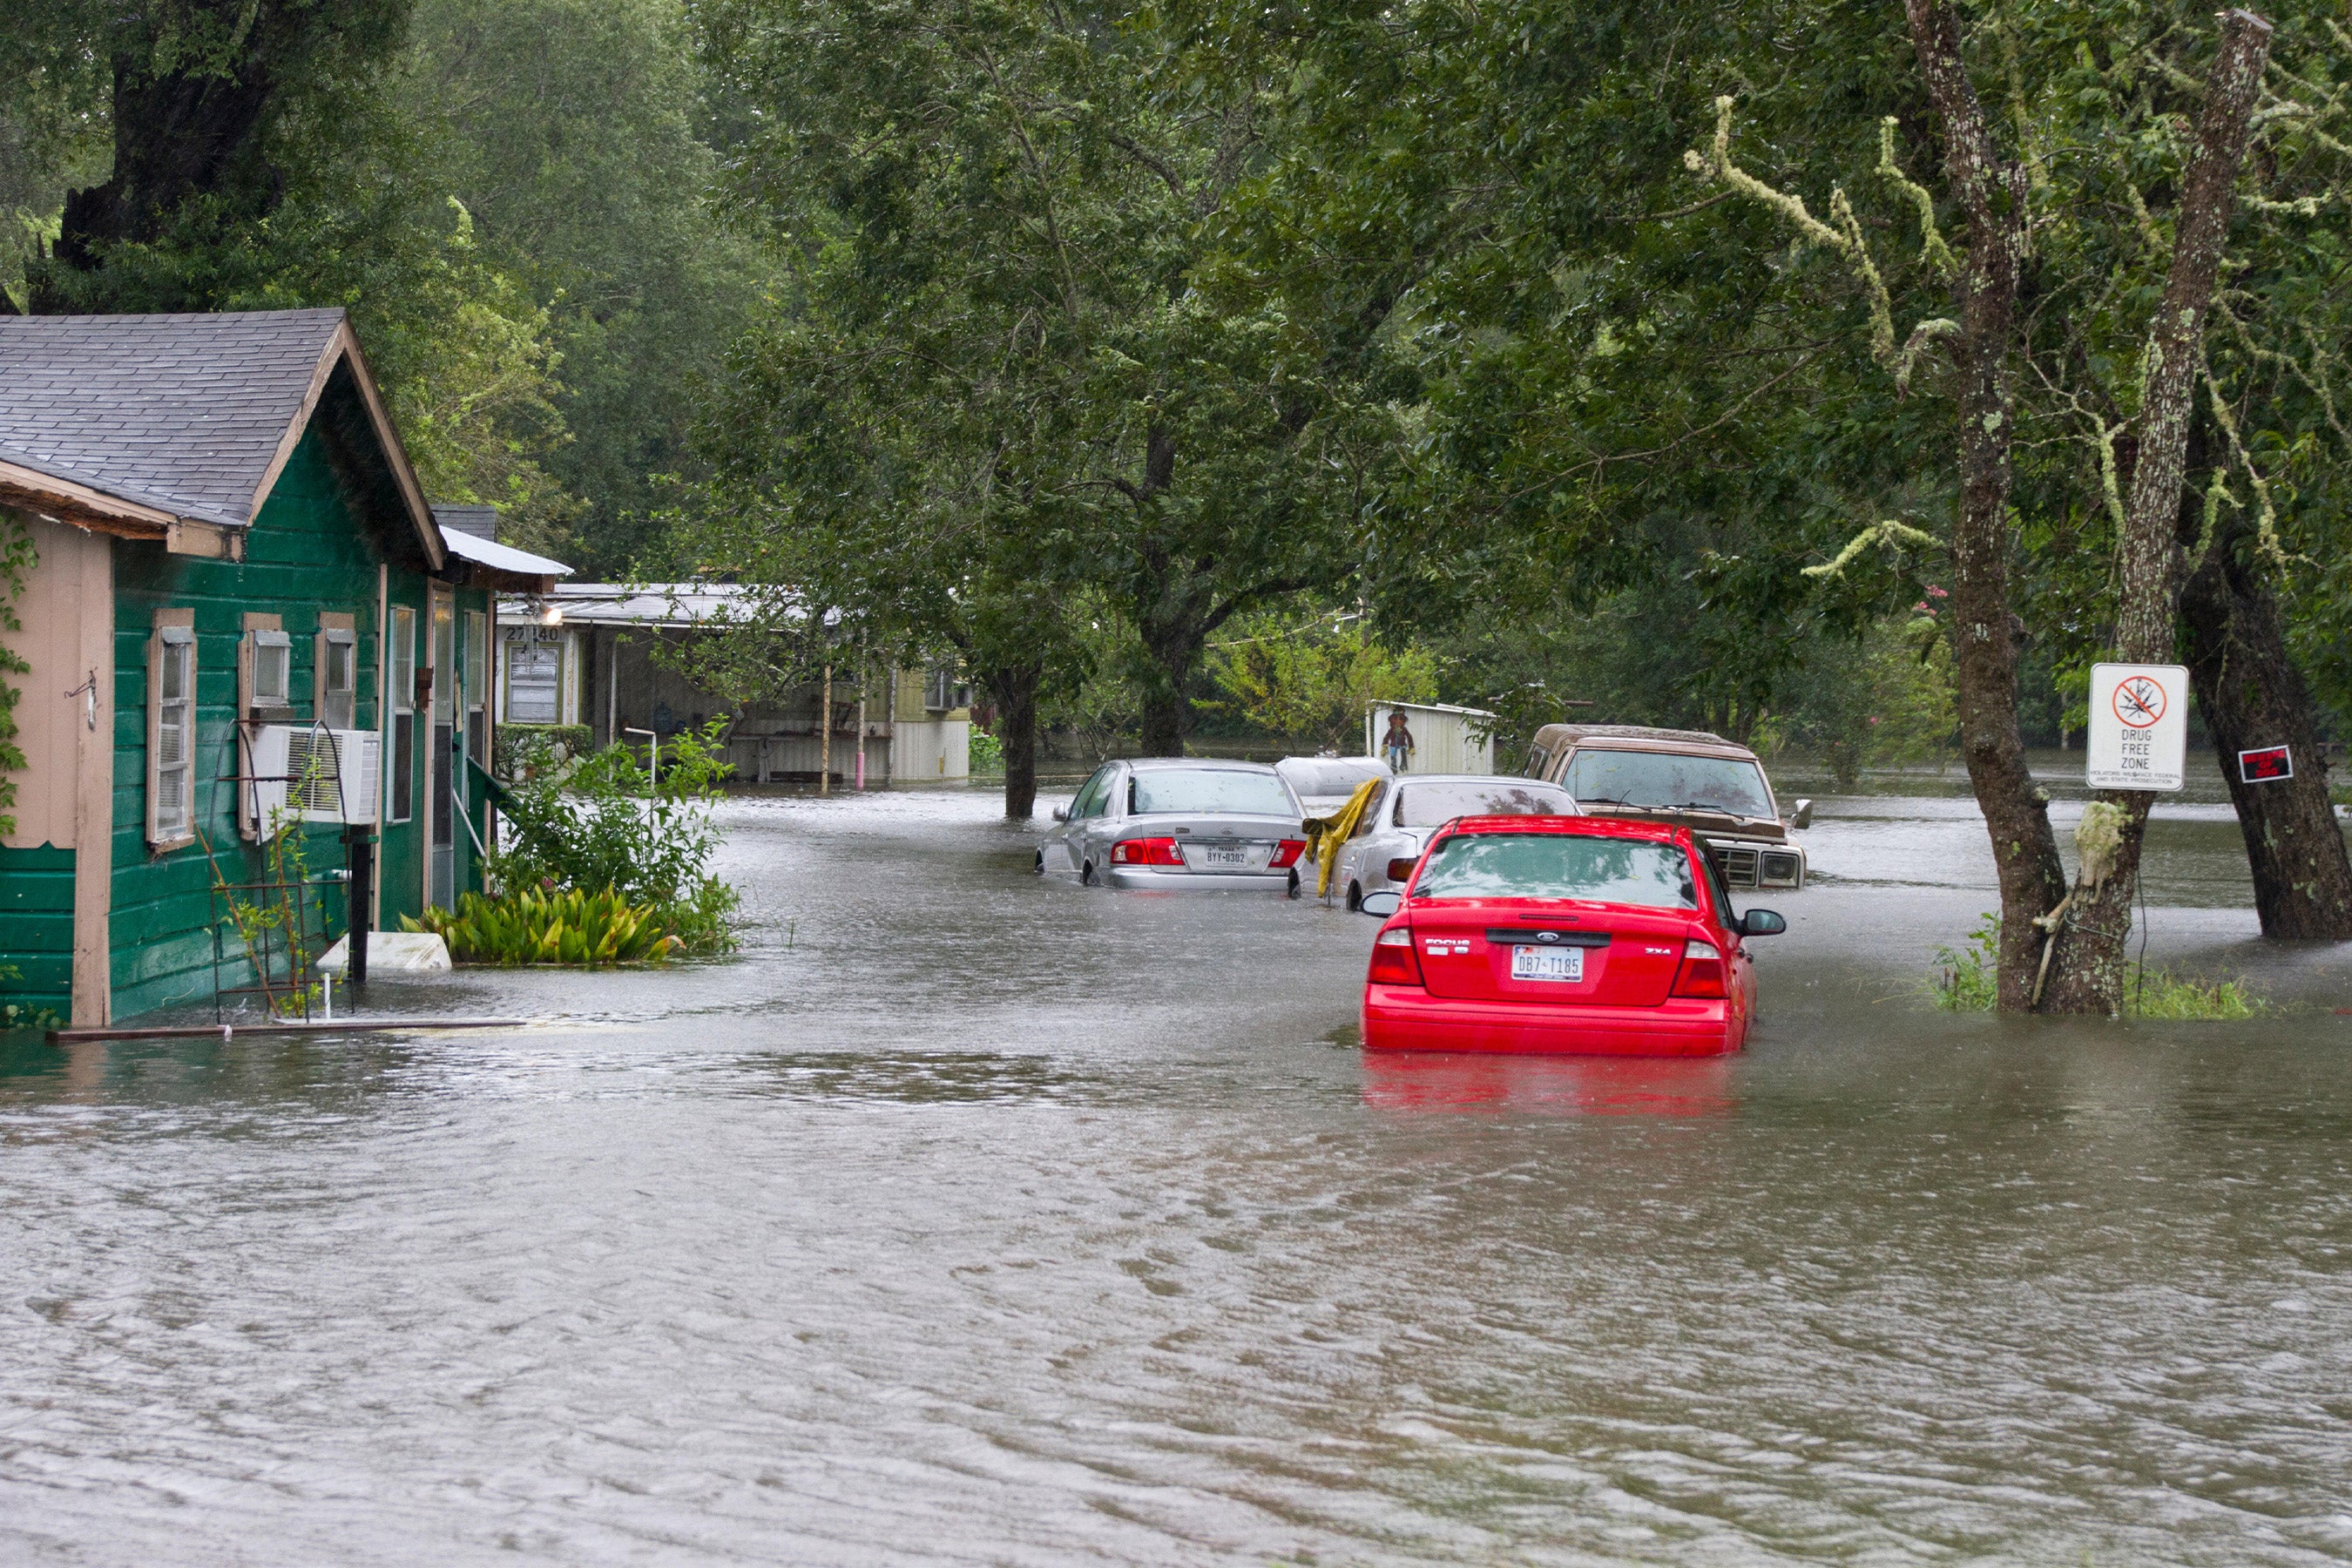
1713	786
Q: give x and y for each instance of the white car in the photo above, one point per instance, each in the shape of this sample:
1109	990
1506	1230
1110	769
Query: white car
1323	784
1398	822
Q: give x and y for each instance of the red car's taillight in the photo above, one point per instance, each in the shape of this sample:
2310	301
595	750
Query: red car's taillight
1146	852
1286	854
1701	972
1392	960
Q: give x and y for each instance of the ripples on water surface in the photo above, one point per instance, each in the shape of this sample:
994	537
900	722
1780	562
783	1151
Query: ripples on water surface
1000	1221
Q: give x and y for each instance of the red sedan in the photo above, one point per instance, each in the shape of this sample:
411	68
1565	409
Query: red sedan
1562	935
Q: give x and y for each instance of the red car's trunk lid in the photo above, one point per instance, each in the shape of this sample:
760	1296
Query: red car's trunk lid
1630	954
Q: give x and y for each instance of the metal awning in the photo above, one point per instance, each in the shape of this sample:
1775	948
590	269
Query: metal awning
504	566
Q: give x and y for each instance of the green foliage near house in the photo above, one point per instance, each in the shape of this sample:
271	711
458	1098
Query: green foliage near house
521	753
276	919
563	926
607	822
23	1014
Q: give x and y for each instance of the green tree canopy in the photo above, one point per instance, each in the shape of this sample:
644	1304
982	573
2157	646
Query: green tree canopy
1006	214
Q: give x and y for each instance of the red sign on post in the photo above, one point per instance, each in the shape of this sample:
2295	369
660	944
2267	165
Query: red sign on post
2266	763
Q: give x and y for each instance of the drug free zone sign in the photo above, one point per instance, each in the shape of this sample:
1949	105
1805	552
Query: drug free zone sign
2139	726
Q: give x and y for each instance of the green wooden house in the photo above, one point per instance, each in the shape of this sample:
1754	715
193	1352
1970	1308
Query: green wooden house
232	564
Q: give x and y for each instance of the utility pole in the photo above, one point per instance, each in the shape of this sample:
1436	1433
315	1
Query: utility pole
824	736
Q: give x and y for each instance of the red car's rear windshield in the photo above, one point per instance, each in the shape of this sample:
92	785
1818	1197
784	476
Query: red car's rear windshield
1559	865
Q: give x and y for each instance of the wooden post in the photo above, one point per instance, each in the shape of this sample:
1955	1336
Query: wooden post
93	784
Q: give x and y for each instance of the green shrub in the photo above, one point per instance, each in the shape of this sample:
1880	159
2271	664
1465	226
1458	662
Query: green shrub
987	753
605	821
565	926
522	751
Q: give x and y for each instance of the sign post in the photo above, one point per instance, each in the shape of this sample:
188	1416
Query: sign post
2139	726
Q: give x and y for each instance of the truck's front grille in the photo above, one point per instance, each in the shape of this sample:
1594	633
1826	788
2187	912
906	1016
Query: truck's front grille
1739	868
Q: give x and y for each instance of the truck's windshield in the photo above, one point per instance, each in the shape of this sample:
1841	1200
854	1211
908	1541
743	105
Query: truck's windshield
1665	779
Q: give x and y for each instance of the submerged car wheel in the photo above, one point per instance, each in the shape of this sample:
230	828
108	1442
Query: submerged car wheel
1038	865
1294	885
1086	874
1355	898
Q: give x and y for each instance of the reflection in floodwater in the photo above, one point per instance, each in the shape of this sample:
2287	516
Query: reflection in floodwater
991	1219
1556	1086
915	1078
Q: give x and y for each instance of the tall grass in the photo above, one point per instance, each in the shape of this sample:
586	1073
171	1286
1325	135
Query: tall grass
1964	982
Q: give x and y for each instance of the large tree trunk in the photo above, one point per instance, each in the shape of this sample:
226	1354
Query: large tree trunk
1983	628
1173	647
175	136
1015	689
2086	974
2251	695
197	129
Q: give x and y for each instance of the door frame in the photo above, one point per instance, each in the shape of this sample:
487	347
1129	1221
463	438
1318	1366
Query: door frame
440	598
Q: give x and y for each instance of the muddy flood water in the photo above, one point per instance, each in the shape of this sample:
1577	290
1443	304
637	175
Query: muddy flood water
968	1218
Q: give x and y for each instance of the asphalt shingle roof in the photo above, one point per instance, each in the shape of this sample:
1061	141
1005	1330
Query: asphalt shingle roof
184	413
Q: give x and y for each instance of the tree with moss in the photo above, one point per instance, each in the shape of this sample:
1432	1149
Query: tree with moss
1726	351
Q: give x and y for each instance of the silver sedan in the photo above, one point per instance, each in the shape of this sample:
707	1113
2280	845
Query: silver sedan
1178	822
1398	821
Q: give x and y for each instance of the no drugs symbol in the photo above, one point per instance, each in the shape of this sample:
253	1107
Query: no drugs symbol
2139	701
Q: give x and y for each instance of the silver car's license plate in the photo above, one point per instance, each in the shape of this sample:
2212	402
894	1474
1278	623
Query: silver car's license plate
1224	857
1547	964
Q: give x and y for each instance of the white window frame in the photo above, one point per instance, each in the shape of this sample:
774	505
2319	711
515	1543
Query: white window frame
474	681
173	648
943	691
532	639
336	707
267	647
400	763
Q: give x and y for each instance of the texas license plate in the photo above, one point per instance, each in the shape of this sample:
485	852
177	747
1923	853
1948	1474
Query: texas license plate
1224	857
1547	964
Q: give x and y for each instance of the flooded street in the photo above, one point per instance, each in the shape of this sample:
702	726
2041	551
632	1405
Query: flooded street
969	1218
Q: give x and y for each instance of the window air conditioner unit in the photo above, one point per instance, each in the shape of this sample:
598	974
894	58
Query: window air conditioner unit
316	773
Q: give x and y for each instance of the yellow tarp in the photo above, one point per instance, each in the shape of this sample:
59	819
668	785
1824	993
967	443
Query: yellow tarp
1330	832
